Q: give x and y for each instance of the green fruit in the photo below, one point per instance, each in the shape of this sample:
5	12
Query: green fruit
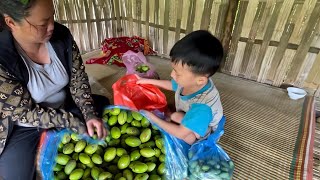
123	128
108	138
118	176
66	138
154	177
135	155
110	154
161	169
124	161
122	117
105	118
96	159
159	143
90	165
152	159
136	115
145	68
143	176
57	167
151	166
71	165
145	122
113	169
99	151
112	120
129	117
139	167
87	173
136	123
145	135
84	158
105	112
147	152
149	144
95	172
115	160
62	159
61	175
114	142
91	148
115	133
157	152
132	131
105	175
76	174
75	156
128	174
68	148
121	151
75	137
133	141
81	166
162	158
114	111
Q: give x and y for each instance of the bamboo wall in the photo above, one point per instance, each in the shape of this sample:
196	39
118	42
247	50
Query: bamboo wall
270	41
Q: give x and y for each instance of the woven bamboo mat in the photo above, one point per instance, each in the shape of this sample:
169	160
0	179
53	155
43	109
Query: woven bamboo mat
262	123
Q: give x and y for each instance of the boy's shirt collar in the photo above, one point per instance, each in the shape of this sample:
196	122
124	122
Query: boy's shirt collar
190	96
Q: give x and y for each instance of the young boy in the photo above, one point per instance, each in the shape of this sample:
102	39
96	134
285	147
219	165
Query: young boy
195	58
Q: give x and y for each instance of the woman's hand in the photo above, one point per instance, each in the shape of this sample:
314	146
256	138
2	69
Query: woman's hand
95	124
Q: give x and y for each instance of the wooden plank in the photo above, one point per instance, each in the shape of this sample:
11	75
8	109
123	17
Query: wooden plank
156	21
253	57
117	13
89	26
226	39
266	39
129	14
280	51
314	74
98	24
214	14
238	59
305	69
303	19
179	4
220	25
241	10
166	26
251	38
106	22
265	19
249	18
283	67
205	20
191	16
147	19
138	15
304	45
266	65
286	10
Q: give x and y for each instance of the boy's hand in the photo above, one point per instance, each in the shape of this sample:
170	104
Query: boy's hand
143	81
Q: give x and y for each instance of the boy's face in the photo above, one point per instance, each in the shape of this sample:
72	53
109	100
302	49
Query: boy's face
183	75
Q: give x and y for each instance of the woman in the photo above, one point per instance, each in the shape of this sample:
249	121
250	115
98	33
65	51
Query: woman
42	84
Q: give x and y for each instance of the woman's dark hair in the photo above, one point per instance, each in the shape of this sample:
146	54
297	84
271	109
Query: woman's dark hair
16	9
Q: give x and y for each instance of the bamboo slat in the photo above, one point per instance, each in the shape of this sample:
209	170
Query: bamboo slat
147	19
265	18
314	74
191	16
216	7
266	40
282	20
242	6
205	20
305	69
166	26
249	17
98	24
238	58
284	65
303	19
220	26
118	21
179	5
156	21
251	38
305	44
129	15
138	15
267	63
252	60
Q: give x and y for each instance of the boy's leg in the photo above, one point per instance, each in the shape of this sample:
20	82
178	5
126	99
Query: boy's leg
17	161
177	117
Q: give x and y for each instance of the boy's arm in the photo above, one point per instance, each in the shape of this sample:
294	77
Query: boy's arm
178	131
164	84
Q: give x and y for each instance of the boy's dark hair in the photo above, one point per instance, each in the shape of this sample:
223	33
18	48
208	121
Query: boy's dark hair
16	9
200	50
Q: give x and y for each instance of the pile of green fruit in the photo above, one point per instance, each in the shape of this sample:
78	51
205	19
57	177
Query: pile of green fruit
142	68
135	151
209	168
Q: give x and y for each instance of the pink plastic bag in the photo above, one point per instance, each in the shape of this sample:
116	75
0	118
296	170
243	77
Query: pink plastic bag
136	63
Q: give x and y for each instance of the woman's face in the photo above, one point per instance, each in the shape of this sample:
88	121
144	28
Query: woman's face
38	26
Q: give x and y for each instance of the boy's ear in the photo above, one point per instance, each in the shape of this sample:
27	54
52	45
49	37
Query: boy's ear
201	80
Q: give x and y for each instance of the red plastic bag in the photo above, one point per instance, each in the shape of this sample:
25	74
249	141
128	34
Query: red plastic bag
138	96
